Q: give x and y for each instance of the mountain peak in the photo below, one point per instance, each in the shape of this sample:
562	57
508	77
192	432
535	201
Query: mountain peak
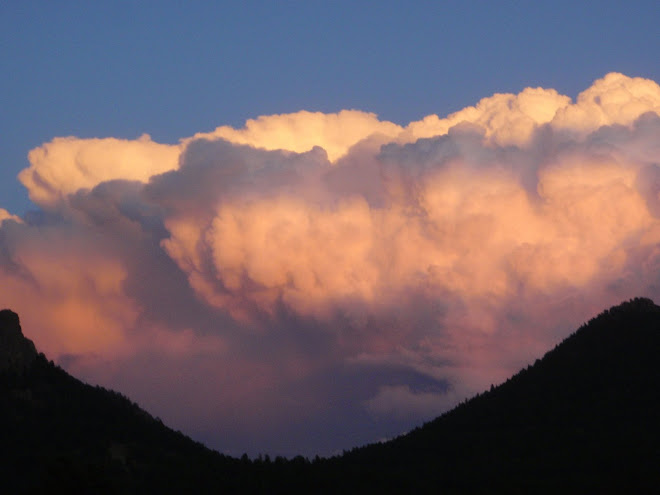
639	304
16	351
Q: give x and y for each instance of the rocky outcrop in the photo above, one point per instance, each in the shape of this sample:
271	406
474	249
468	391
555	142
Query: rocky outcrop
16	351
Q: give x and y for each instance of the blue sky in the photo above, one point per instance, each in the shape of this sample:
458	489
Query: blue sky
170	69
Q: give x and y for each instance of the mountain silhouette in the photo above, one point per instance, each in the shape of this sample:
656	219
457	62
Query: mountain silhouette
59	435
583	419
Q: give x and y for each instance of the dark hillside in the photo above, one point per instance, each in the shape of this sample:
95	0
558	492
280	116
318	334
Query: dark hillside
584	419
61	435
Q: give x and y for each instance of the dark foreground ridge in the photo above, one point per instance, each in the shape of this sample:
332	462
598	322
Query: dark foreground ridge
583	419
59	435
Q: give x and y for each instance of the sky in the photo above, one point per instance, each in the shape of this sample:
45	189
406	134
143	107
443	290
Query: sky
295	228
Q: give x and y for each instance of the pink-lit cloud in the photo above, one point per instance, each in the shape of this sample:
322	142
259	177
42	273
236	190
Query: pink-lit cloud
313	265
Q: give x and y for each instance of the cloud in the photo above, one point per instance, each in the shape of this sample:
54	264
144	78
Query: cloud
614	99
301	131
67	285
507	119
5	215
401	401
313	265
66	165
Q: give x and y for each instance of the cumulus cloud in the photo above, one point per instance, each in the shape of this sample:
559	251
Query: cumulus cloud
5	215
301	131
506	119
294	257
66	165
509	119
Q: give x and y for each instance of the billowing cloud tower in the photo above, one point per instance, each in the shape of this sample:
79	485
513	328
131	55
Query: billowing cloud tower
316	267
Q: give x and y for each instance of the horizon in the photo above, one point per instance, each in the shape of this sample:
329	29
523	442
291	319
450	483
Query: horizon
310	252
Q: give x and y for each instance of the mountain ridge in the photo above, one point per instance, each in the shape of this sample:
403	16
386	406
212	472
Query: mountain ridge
587	408
16	351
60	432
581	419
